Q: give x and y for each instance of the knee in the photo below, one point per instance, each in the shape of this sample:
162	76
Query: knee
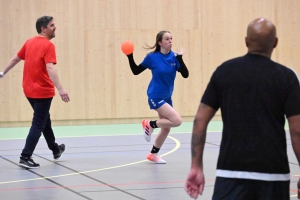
177	121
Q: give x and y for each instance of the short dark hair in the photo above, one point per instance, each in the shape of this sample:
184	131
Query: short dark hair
42	22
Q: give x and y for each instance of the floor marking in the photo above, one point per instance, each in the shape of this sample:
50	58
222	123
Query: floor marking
177	146
95	185
79	136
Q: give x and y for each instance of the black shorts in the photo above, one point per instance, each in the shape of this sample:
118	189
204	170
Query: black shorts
247	189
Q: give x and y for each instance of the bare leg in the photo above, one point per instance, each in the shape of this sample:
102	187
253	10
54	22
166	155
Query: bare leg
162	135
170	117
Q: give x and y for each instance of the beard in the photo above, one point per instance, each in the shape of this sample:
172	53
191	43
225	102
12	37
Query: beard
53	35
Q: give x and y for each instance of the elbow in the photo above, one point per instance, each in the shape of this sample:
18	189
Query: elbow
185	75
136	71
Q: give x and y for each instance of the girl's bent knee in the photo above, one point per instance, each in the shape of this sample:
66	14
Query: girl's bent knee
177	122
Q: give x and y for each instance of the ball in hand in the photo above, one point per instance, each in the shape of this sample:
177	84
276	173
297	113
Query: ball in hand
127	47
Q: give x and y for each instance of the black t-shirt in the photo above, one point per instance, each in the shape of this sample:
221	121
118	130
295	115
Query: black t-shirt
254	94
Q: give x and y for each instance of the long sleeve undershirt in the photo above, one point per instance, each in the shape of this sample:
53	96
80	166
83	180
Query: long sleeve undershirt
137	69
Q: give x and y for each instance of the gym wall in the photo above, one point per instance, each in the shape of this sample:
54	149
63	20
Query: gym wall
96	73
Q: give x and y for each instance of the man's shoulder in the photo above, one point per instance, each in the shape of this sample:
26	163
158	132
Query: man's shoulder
233	60
282	68
40	39
243	60
39	43
226	65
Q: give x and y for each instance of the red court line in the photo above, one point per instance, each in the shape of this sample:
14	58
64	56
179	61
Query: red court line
99	185
293	190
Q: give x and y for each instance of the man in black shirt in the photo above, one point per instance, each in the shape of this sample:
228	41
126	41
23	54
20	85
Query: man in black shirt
255	94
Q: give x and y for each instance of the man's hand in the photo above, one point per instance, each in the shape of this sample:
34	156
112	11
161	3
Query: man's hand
195	182
64	95
298	186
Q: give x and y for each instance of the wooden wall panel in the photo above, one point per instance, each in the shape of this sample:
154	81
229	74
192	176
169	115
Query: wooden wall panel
96	73
288	28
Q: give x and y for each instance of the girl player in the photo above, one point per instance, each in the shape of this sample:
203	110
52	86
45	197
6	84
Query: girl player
163	63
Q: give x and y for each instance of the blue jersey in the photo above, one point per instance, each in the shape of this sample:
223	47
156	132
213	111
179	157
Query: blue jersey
163	68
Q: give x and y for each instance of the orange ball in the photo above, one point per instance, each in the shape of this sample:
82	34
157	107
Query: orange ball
127	47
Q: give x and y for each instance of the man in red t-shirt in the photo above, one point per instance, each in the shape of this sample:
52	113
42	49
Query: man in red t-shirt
39	80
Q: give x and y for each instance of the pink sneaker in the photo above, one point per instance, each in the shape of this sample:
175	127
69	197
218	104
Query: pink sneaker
155	158
147	129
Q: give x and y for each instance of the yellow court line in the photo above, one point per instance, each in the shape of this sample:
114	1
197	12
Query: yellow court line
177	145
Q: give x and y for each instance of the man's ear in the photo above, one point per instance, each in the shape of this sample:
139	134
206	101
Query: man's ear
275	43
42	28
246	41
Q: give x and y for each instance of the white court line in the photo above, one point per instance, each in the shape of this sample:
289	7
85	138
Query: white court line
177	146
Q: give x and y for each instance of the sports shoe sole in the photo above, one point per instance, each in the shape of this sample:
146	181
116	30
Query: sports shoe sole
159	162
27	167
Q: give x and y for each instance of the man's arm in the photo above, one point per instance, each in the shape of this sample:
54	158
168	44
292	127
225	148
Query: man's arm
15	60
195	181
294	124
54	78
202	118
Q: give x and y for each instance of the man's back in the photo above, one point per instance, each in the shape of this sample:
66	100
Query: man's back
254	93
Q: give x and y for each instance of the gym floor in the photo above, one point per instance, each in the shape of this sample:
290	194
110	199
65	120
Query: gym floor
108	162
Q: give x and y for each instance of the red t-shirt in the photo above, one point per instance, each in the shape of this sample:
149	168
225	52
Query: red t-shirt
36	53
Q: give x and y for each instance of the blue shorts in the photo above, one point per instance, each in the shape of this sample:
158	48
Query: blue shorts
157	103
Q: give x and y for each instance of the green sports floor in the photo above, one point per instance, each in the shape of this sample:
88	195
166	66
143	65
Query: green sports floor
99	130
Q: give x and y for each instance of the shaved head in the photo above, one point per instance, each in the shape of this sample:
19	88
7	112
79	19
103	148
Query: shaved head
261	36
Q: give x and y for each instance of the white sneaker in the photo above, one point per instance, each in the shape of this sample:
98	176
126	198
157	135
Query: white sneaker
147	129
155	158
